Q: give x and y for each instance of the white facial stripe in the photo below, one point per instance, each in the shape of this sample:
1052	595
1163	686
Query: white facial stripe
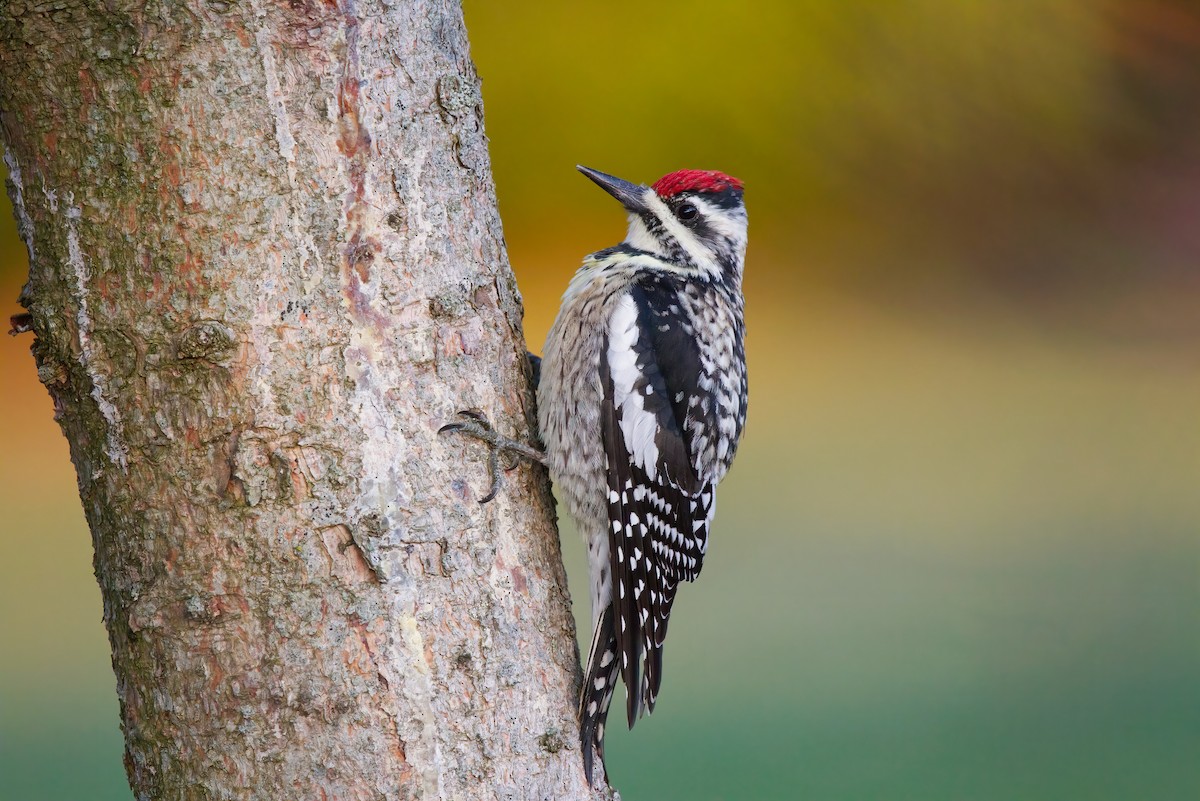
729	224
699	254
641	238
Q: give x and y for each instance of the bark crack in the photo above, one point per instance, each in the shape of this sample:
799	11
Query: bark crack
115	448
369	364
286	142
24	223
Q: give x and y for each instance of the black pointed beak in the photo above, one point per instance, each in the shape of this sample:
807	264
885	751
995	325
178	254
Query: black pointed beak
630	195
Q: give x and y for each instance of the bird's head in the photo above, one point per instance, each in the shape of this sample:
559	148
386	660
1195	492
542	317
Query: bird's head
694	219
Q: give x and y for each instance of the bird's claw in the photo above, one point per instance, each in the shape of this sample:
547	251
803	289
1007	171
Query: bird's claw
474	424
503	453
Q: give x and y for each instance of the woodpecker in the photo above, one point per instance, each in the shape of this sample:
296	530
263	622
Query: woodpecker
641	404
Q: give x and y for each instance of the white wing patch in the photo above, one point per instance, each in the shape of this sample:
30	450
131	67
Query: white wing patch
638	425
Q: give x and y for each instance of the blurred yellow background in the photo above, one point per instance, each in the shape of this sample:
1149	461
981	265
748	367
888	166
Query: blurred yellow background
959	554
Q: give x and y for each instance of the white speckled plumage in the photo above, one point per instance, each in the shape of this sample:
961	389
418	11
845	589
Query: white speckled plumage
641	403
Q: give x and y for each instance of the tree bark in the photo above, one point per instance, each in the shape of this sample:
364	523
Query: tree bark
265	266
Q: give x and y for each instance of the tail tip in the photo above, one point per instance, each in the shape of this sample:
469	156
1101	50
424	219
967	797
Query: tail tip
592	742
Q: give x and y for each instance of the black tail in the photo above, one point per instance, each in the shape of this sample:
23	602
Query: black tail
599	682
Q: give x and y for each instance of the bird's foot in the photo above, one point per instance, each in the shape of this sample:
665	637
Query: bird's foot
503	453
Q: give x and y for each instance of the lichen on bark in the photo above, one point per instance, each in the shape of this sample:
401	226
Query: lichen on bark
265	266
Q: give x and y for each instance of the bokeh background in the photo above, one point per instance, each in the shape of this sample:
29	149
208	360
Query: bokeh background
959	554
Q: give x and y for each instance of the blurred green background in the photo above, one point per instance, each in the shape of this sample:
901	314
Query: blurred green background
959	555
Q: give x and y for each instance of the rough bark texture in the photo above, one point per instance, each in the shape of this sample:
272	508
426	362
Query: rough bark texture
266	265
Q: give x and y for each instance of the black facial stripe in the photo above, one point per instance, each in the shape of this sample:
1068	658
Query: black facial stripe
725	199
722	248
652	223
621	248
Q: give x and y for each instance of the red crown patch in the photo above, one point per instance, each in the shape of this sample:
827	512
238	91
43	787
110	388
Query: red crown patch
673	183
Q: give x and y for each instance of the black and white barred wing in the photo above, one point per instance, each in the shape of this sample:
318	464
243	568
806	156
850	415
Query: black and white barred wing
659	506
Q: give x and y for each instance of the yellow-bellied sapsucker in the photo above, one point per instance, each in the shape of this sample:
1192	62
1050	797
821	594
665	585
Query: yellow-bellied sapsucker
641	402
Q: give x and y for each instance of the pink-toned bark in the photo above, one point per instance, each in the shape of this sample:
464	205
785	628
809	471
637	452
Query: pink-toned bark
266	266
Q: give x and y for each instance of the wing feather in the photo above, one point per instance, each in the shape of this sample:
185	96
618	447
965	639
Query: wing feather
660	509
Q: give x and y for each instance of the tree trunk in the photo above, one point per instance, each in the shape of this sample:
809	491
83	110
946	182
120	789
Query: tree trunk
266	266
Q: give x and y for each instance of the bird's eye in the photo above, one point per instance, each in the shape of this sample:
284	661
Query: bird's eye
687	212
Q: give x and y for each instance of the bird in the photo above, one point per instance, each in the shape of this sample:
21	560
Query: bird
642	400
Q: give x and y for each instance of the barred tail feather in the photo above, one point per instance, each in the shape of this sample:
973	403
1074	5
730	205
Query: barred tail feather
599	683
654	647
